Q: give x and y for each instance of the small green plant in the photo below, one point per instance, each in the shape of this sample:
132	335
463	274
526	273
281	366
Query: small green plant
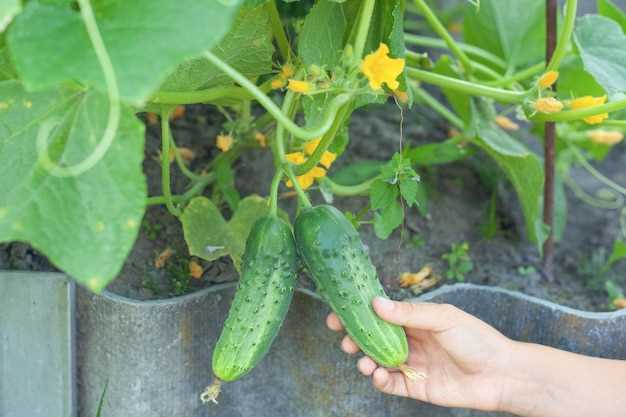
179	276
598	275
459	261
152	230
526	270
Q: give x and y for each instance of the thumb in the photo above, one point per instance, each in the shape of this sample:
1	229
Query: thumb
423	316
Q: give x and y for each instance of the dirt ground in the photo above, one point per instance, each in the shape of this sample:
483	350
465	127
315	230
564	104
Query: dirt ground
459	202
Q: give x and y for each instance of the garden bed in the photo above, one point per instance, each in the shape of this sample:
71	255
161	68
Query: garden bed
459	202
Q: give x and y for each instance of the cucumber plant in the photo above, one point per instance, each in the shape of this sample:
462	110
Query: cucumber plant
287	75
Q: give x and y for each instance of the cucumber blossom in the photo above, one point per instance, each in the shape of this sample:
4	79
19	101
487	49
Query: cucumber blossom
265	290
346	278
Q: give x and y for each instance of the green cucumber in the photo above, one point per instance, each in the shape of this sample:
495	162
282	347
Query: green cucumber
346	278
265	290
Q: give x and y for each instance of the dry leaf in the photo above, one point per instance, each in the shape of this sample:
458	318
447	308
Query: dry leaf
195	270
178	112
411	278
619	303
160	260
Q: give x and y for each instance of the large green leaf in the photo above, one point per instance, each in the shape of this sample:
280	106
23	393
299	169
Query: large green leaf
609	9
210	237
85	225
247	47
484	126
526	175
574	81
600	43
145	39
8	9
322	37
511	29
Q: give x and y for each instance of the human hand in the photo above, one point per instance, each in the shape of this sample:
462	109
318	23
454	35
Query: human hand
464	359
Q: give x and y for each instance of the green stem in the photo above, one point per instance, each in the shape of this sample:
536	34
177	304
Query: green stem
365	17
279	31
519	76
436	105
462	86
615	123
181	164
564	39
166	111
201	96
443	33
471	50
414	58
274	192
349	190
570	115
274	110
304	200
196	189
595	173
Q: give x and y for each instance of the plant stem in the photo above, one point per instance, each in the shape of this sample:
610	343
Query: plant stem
443	33
166	111
279	31
273	109
596	174
472	50
188	195
568	28
549	150
519	76
349	190
365	17
200	96
181	164
504	96
570	115
304	200
274	192
436	105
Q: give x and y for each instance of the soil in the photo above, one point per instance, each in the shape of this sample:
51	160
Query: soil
459	202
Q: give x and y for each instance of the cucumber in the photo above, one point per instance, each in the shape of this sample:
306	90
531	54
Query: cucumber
346	278
265	290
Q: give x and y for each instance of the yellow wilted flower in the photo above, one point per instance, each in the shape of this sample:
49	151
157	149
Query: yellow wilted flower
306	180
605	137
619	303
548	79
411	278
401	96
327	157
587	102
261	139
186	153
160	260
195	270
379	68
298	86
224	142
548	105
278	83
287	71
506	123
295	158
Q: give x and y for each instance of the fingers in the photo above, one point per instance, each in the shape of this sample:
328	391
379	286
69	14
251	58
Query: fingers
390	382
333	323
348	346
366	366
424	316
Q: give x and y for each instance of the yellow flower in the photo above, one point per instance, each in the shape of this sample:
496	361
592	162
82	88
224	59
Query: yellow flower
278	83
311	146
548	79
605	137
548	105
587	102
261	139
224	142
327	157
306	180
287	71
506	123
298	86
379	68
295	158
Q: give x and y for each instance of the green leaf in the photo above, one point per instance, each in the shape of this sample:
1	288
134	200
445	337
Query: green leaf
574	81
408	190
609	9
422	199
7	72
211	237
600	42
382	194
526	175
225	181
357	172
8	9
85	225
388	220
511	29
618	253
459	102
483	116
437	153
145	39
247	47
322	37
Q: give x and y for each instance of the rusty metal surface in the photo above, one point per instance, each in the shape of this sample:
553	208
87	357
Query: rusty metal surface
156	355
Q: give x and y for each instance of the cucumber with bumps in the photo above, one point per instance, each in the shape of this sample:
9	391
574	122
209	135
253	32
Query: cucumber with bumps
261	301
346	278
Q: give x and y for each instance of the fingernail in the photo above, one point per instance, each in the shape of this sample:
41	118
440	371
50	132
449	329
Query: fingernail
384	303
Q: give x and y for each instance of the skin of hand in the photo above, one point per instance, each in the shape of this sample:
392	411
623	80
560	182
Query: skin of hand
469	364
